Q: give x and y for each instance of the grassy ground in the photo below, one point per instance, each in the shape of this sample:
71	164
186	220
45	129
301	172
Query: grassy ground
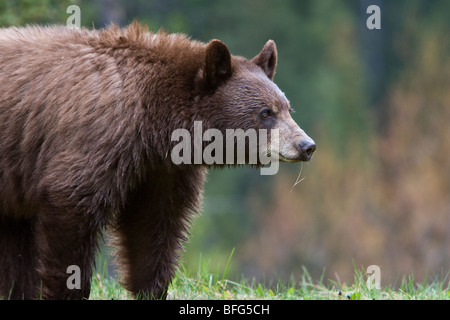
206	285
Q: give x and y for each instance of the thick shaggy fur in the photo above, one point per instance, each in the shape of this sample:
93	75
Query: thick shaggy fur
79	111
86	119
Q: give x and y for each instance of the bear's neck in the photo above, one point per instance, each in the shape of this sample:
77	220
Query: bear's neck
158	72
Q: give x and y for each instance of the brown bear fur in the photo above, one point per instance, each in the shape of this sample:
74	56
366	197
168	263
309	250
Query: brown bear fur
86	119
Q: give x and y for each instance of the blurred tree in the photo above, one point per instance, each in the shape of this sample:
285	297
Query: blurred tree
386	203
111	11
21	12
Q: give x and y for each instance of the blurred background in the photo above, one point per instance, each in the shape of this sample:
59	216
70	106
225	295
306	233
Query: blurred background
377	103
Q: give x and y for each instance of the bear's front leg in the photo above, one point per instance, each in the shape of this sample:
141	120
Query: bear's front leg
18	277
66	241
150	231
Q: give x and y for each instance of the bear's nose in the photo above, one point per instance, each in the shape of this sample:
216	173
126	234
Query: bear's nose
307	148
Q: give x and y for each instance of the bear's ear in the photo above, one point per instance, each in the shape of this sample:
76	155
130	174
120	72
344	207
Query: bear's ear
267	59
217	63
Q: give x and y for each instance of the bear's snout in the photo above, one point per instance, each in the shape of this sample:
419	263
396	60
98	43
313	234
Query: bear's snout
307	148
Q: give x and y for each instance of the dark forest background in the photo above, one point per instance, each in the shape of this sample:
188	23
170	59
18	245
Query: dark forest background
377	103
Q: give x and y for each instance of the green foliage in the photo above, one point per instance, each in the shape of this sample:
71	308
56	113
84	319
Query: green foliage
215	286
21	12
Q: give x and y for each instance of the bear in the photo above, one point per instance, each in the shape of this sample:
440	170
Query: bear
86	120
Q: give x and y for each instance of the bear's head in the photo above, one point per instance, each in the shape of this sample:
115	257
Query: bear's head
244	92
237	99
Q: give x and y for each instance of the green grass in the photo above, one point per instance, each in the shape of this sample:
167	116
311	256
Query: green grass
207	285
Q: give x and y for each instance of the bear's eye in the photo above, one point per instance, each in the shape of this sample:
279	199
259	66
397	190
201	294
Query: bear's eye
265	113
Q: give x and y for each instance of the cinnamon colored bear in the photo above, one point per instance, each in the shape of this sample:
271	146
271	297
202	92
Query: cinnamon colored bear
86	123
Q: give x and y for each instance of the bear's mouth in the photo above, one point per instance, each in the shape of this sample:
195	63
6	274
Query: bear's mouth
302	157
281	158
278	156
304	152
292	155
